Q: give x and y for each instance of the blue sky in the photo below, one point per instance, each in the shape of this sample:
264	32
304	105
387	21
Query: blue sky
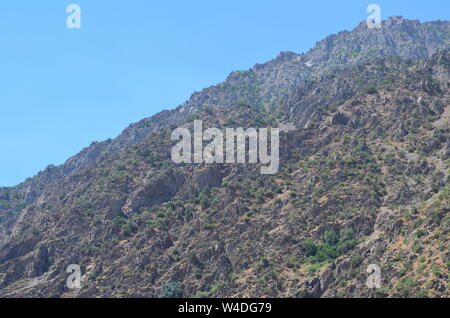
61	89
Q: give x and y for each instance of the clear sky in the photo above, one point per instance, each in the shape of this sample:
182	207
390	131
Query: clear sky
61	89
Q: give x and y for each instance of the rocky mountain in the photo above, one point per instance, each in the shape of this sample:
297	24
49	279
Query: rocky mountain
363	180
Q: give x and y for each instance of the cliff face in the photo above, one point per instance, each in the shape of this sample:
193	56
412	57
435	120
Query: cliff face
364	180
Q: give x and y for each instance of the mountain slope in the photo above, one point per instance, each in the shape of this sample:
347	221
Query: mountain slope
365	180
265	85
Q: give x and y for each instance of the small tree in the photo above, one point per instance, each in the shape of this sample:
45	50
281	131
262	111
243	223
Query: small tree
371	90
309	248
171	290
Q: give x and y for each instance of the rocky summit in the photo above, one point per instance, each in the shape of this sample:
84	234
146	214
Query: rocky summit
363	182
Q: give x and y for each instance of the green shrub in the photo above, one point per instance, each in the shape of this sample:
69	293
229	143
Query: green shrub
309	247
334	245
331	237
371	90
171	290
97	219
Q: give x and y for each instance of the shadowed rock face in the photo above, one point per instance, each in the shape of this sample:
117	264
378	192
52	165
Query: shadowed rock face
364	180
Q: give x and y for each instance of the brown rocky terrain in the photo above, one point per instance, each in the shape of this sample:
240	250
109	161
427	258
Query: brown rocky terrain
363	180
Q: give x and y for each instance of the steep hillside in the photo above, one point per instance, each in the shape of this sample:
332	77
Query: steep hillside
364	180
265	85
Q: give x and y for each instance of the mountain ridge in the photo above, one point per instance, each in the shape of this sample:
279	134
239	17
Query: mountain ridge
132	134
94	200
